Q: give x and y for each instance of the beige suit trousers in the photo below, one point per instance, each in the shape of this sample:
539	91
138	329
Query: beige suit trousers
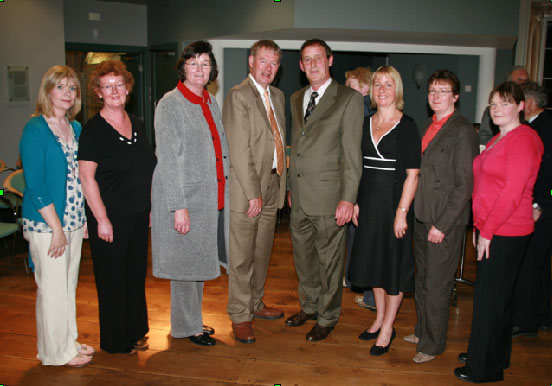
56	279
251	242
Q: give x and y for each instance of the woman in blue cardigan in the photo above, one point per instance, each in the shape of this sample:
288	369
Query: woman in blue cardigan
53	215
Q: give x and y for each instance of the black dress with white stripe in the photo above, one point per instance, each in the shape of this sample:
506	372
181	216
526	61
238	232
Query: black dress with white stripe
378	258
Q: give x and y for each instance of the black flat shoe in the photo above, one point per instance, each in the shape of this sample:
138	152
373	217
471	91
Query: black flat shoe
380	350
365	335
462	374
203	340
208	330
463	357
516	331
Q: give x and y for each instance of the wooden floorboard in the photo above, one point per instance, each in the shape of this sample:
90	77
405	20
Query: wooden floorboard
280	356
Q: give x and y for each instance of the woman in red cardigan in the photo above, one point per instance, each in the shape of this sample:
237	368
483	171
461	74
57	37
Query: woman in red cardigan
504	175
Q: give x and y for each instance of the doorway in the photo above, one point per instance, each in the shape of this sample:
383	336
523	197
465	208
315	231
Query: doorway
84	58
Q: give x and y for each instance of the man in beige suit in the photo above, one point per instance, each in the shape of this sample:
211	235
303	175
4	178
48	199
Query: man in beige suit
254	120
325	170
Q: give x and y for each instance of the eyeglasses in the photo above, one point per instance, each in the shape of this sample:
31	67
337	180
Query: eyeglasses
110	87
199	65
440	93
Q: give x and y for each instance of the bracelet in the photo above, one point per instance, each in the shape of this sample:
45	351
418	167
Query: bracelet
403	209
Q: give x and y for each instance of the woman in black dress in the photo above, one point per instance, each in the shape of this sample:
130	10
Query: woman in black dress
116	165
382	251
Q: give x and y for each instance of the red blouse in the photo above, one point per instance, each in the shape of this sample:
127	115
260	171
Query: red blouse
433	129
504	176
204	101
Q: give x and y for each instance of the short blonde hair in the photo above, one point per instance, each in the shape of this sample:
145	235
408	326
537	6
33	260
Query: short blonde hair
396	77
52	77
361	74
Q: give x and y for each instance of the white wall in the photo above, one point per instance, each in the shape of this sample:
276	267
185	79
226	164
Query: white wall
120	23
32	35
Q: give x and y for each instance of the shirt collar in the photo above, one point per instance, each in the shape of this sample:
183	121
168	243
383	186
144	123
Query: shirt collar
260	89
442	120
530	120
321	90
191	96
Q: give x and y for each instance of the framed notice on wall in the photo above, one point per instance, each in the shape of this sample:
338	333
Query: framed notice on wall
18	83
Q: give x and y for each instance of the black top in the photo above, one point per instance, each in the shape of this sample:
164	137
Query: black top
125	166
409	153
541	193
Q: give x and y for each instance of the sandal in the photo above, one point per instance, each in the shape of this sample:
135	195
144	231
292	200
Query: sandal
87	350
141	344
79	361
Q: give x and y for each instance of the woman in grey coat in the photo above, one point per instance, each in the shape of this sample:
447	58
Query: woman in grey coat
189	224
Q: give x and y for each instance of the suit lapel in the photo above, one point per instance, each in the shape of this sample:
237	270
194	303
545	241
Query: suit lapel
443	133
259	104
299	108
327	100
279	112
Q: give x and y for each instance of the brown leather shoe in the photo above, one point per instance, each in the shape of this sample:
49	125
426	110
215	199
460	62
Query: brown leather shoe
244	332
319	333
269	313
300	318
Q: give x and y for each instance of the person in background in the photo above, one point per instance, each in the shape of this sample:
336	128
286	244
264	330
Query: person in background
359	79
254	120
518	75
54	221
117	162
324	173
190	200
382	250
531	302
504	175
441	210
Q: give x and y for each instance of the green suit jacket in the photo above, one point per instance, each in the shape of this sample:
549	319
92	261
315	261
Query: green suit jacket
251	143
326	157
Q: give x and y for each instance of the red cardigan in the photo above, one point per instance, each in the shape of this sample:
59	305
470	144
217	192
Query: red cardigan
504	176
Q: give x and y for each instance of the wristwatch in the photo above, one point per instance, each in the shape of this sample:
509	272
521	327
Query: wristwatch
537	207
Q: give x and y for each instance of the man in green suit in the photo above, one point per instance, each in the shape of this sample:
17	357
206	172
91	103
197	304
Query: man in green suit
325	170
254	120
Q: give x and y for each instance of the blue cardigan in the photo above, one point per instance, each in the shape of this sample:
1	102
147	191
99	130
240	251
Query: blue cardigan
45	169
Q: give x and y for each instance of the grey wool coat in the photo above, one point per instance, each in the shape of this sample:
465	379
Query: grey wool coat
186	177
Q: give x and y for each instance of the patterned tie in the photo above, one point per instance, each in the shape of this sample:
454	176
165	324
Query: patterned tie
276	134
311	105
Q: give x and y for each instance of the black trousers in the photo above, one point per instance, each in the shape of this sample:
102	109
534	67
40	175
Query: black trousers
120	272
532	291
490	342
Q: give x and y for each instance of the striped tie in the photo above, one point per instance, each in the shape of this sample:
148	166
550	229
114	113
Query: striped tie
311	105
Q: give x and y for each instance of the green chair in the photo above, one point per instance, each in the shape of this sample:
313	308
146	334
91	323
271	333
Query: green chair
14	184
11	229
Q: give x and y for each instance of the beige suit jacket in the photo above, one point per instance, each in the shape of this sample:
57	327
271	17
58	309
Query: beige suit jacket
251	143
326	157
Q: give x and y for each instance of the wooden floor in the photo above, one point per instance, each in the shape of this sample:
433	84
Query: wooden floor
281	354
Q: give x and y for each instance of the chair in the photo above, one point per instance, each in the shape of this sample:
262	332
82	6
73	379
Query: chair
15	182
15	185
7	229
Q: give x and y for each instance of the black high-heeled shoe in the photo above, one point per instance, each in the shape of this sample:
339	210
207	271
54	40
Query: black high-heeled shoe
366	335
380	350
